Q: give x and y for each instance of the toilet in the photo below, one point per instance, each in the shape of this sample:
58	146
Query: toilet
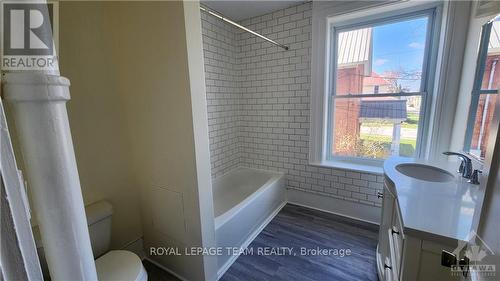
115	265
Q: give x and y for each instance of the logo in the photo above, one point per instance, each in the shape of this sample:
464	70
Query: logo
475	253
27	42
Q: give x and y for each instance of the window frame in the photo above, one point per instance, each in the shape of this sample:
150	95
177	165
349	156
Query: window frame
426	89
476	88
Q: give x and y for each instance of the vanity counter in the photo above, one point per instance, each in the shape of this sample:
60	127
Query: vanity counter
448	210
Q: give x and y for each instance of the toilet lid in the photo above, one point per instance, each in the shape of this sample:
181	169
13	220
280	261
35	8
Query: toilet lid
120	266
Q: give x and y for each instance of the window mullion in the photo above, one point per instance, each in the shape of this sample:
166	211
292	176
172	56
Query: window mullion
487	92
380	95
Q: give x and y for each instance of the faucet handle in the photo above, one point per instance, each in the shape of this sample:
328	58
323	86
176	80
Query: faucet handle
475	177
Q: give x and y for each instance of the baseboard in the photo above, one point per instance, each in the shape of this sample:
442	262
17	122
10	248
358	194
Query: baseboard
166	269
249	240
136	247
348	209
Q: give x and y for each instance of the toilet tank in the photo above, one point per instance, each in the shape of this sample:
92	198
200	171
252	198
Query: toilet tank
99	222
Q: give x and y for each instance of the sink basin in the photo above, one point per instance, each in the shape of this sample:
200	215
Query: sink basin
425	172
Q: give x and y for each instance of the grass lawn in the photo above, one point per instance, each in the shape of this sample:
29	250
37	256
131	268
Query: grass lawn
406	147
411	122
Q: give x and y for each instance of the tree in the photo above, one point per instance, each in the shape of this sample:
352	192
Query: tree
400	80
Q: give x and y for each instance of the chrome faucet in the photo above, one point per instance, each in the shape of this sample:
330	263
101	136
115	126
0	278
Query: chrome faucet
465	165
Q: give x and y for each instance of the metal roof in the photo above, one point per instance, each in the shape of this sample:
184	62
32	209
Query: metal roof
354	47
383	109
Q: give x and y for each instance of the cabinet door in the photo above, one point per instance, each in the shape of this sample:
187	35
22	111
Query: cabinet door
386	223
397	237
430	264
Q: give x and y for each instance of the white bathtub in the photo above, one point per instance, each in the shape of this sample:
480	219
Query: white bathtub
245	200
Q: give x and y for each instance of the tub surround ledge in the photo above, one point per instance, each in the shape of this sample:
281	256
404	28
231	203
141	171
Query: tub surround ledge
245	201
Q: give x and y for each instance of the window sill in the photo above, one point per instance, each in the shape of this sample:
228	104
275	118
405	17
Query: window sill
352	166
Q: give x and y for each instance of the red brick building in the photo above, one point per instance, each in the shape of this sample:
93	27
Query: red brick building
486	106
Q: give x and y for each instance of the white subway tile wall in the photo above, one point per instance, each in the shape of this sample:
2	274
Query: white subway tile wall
223	93
267	104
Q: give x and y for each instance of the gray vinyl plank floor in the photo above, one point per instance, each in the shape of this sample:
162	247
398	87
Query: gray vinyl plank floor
157	274
299	227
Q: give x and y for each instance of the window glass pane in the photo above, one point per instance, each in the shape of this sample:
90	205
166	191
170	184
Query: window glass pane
386	58
491	76
375	127
484	116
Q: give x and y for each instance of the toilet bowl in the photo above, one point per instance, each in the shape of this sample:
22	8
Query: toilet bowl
115	265
120	265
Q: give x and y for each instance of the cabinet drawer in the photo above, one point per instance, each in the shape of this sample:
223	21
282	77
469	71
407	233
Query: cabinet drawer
397	222
395	259
396	241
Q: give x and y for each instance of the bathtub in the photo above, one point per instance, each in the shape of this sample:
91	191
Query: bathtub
245	201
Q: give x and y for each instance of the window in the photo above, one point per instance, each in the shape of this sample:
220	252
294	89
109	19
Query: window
378	77
484	92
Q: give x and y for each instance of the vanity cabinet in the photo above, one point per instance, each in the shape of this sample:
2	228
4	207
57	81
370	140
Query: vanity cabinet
403	256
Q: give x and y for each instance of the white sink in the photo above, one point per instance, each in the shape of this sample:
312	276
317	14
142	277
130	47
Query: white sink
424	172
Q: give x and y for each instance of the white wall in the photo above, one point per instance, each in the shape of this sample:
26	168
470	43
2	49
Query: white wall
200	128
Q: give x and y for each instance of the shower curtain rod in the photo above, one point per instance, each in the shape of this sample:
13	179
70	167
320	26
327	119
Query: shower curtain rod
222	17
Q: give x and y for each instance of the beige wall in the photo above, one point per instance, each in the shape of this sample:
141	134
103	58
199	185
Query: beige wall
133	124
97	115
